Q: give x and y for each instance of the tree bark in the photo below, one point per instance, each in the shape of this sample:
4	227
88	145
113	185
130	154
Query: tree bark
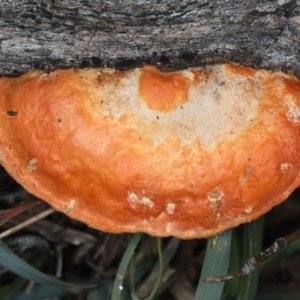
172	34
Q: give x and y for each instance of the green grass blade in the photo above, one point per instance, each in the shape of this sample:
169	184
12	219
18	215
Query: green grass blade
216	263
231	288
133	279
277	297
40	292
246	242
15	264
118	284
160	272
15	287
12	289
252	236
105	292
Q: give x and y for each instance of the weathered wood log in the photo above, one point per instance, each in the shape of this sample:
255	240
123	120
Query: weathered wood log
171	33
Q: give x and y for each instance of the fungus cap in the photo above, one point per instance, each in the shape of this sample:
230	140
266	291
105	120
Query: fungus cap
186	154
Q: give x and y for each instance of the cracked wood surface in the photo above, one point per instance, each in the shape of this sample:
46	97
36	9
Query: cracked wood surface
172	34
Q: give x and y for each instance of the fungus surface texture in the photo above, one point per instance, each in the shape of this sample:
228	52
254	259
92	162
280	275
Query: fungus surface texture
186	154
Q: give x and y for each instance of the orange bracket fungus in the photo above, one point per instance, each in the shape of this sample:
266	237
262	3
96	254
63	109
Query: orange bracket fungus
187	154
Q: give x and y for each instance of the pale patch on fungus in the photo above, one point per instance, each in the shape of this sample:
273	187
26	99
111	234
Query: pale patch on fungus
70	206
215	97
108	71
2	156
248	173
169	227
32	165
285	167
215	197
242	180
189	75
44	75
134	199
286	194
248	210
170	208
146	201
293	113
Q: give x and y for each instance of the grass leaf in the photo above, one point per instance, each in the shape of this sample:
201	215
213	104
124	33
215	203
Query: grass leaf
17	265
118	284
215	263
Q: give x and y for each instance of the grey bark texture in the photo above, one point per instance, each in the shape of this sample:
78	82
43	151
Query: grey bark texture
172	34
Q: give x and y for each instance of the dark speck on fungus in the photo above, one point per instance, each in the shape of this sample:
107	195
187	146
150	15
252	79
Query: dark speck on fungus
12	113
